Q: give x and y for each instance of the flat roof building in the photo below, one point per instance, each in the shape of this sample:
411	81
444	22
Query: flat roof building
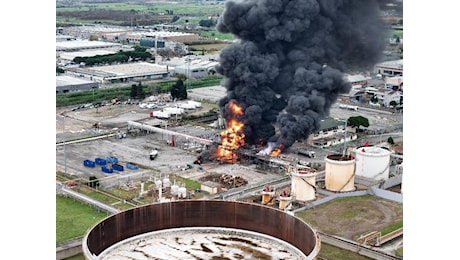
66	84
140	71
78	45
389	68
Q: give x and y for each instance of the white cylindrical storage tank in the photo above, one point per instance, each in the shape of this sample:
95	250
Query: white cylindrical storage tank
182	193
303	183
340	173
158	184
373	162
166	182
174	189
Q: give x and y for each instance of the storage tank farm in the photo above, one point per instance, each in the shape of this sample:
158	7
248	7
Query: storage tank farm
340	173
373	162
201	229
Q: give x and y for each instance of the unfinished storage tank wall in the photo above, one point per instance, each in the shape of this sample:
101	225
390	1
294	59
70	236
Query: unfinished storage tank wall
201	213
340	173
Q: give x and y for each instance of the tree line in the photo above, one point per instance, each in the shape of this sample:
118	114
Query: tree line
139	53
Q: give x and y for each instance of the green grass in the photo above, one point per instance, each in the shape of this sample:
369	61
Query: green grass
217	35
90	96
178	9
189	184
331	252
392	228
74	218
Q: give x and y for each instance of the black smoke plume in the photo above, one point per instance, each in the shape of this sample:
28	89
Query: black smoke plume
285	69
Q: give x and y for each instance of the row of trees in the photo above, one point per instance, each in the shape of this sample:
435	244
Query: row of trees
178	90
139	53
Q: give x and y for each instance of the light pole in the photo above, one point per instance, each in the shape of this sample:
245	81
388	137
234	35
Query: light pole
345	135
63	134
345	140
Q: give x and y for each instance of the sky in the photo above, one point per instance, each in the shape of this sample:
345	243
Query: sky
430	183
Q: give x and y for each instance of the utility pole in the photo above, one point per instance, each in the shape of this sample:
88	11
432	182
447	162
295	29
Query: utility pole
345	140
65	158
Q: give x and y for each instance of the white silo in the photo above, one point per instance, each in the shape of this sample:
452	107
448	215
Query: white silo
303	183
340	173
182	193
158	184
166	182
174	189
373	162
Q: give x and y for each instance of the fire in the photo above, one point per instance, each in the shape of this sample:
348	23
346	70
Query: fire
236	110
276	152
233	137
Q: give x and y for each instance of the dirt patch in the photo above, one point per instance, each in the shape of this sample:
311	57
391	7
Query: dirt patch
351	217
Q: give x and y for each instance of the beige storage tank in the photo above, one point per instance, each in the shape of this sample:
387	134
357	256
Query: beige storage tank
340	173
267	195
303	183
373	162
285	200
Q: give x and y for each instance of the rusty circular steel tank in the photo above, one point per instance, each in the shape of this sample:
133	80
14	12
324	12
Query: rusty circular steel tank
208	215
340	173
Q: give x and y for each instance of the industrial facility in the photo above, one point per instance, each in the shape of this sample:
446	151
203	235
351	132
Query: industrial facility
288	183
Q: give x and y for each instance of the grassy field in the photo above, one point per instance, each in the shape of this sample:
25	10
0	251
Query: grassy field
73	218
90	96
193	9
331	252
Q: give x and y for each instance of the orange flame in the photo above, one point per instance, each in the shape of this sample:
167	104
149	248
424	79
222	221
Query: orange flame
277	151
236	110
233	137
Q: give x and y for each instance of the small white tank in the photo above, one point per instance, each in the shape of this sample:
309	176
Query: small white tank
158	184
373	162
174	189
182	193
166	182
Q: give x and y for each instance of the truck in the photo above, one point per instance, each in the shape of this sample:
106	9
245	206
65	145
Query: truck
350	107
174	110
186	106
153	154
309	154
160	114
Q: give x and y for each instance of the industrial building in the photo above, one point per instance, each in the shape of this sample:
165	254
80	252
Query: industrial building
139	71
136	37
331	132
192	67
389	68
66	84
78	45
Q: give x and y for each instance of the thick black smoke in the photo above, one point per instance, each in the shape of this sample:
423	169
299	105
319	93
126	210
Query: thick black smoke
286	68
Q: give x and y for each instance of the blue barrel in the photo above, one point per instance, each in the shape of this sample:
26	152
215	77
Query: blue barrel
100	161
117	167
89	163
106	170
131	166
112	160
